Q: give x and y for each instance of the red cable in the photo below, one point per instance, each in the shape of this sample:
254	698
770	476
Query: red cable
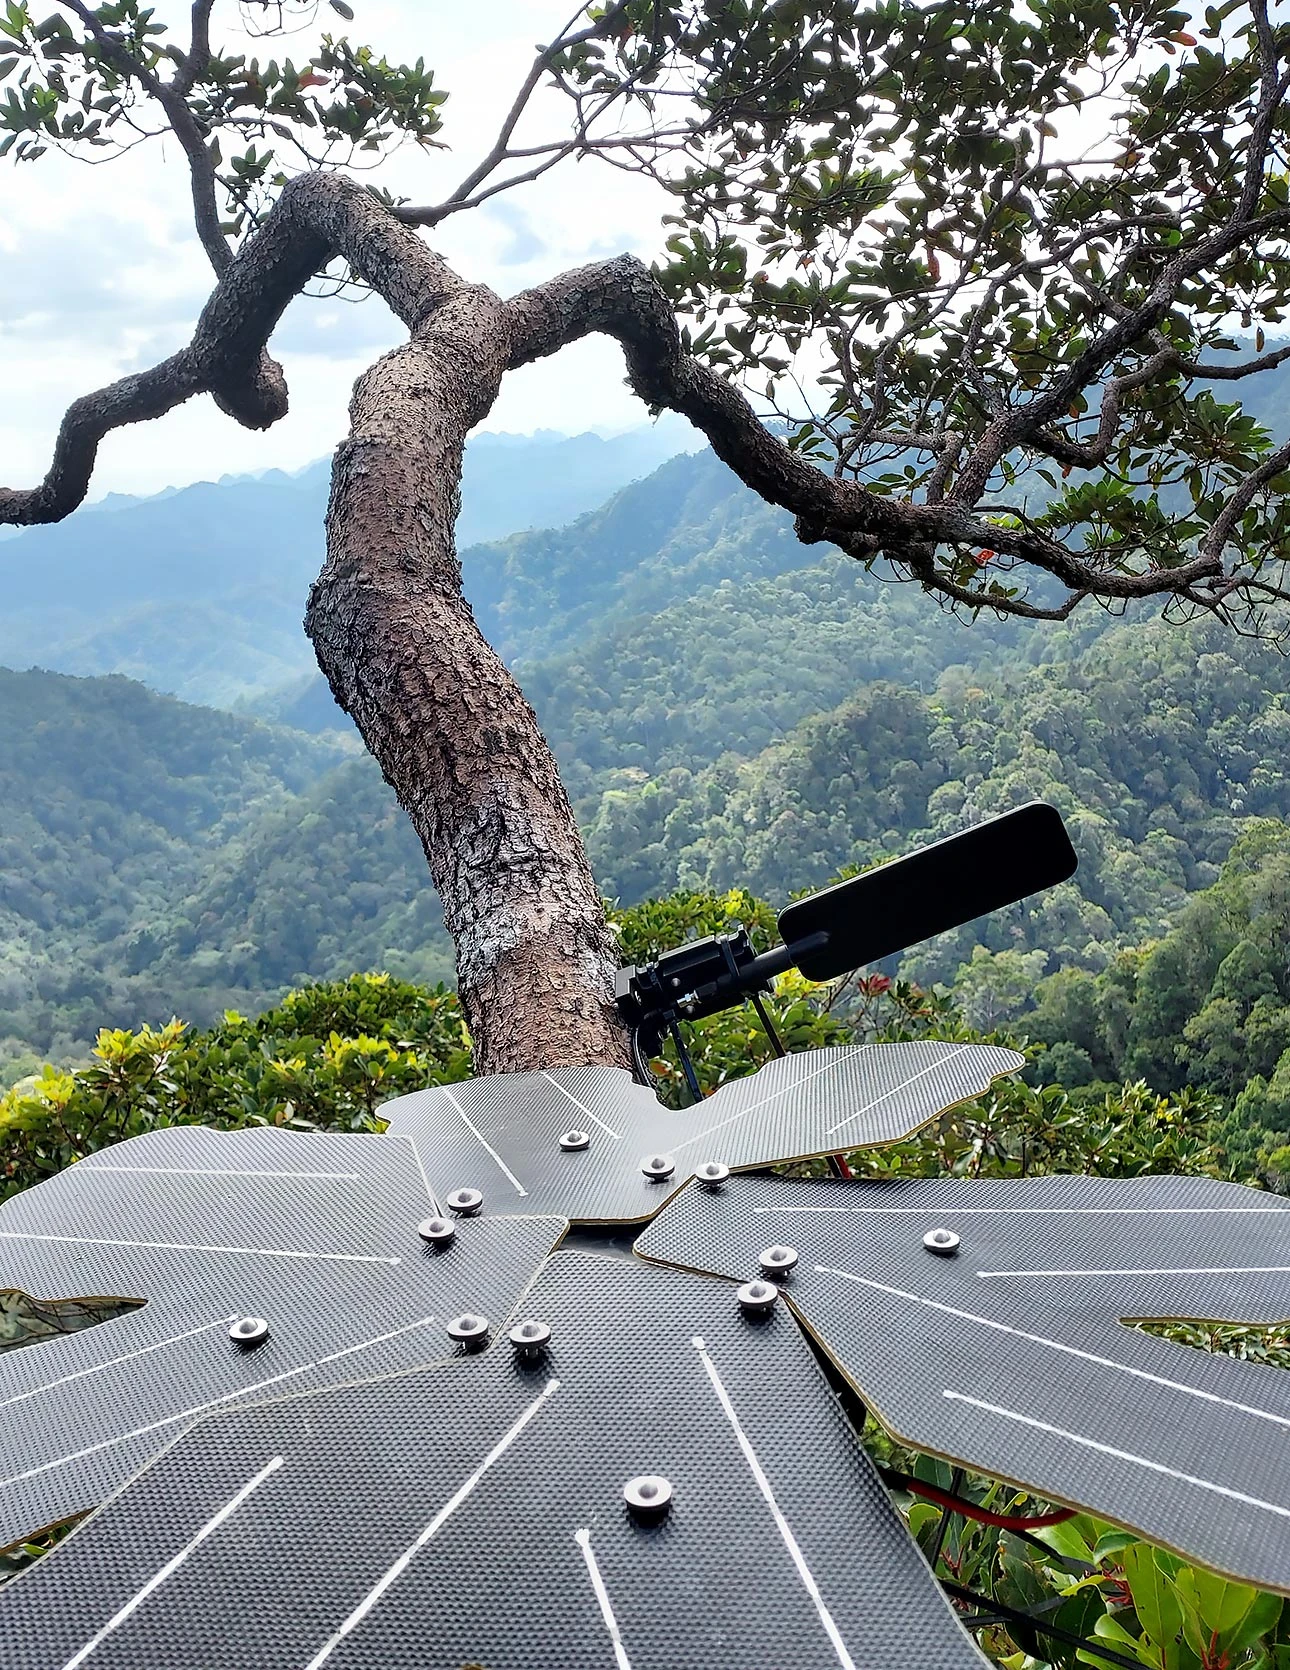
985	1516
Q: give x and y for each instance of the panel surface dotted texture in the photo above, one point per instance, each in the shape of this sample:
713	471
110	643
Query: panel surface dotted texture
1011	1355
501	1135
317	1234
472	1514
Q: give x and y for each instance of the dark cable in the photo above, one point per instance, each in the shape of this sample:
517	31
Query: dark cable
767	1024
687	1066
956	1484
1010	1615
639	1062
954	1503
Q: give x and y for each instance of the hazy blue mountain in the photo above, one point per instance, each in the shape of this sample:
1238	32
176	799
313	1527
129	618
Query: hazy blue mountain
200	592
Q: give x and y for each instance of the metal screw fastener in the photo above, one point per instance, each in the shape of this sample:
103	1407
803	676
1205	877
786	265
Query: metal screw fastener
572	1141
649	1493
712	1173
757	1297
437	1232
530	1338
465	1202
778	1261
658	1166
942	1241
249	1330
469	1330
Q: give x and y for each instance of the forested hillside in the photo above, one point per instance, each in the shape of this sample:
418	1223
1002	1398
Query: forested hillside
1156	742
115	803
730	707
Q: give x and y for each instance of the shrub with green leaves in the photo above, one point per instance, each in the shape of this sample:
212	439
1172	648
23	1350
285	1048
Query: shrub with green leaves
327	1056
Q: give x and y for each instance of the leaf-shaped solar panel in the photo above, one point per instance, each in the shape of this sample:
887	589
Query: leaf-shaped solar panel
474	1514
315	1234
986	1322
502	1135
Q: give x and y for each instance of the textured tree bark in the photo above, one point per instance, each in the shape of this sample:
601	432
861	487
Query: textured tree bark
443	716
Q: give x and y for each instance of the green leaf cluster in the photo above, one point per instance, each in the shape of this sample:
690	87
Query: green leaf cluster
907	201
100	88
326	1057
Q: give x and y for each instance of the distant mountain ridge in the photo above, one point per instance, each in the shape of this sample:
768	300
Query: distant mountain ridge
200	592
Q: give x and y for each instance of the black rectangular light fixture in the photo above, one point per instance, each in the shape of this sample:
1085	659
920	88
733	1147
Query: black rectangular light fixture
928	892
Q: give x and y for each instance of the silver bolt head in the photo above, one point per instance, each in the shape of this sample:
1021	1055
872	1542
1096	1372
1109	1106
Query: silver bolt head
468	1329
249	1330
437	1232
530	1336
757	1297
943	1242
778	1261
648	1493
712	1173
465	1202
572	1141
658	1167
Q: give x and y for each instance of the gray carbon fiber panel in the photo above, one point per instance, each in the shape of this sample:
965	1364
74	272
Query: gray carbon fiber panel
501	1134
317	1234
1011	1356
502	1486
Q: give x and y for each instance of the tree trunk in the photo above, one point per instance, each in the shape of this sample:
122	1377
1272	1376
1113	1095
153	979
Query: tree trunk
447	723
391	629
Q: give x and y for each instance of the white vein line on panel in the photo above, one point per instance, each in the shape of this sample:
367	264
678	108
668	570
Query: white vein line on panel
189	1246
933	1067
394	1572
1057	1345
775	1095
172	1565
402	1136
583	1540
213	1403
1181	1270
483	1142
583	1108
1119	1455
129	1356
784	1528
945	1206
218	1171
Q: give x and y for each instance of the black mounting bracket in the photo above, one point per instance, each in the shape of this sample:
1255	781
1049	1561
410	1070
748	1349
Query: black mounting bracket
697	979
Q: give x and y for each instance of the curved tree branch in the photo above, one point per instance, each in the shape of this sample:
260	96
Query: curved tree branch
316	216
321	216
172	96
621	299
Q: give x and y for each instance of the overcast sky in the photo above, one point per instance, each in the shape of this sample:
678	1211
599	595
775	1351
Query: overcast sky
101	274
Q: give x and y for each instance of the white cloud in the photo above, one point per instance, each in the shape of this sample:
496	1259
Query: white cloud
100	272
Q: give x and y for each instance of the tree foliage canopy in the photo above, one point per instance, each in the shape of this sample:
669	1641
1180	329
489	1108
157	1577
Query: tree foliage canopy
1023	250
1007	267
